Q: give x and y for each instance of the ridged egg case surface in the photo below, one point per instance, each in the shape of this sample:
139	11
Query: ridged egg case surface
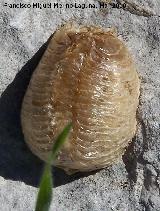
87	77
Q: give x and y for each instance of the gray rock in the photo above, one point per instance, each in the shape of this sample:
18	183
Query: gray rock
133	184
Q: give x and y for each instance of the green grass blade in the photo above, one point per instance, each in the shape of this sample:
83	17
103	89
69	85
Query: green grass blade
45	189
59	142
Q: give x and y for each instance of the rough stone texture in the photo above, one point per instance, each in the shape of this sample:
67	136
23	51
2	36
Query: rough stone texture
133	183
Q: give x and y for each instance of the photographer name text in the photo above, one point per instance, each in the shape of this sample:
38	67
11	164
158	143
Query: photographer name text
100	5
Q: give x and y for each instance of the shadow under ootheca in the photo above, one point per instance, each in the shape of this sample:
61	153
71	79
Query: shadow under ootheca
16	160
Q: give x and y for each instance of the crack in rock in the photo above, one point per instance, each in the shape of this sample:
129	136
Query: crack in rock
136	9
131	7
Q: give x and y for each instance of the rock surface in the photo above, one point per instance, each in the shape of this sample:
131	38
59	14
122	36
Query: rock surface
131	184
